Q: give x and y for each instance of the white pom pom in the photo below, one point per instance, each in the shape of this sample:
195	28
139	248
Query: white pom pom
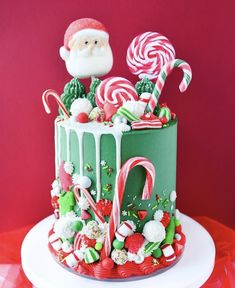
135	107
83	203
173	196
68	167
158	215
81	105
154	231
122	127
63	226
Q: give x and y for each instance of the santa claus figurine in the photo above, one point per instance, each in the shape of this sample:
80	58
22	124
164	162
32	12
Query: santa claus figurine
86	49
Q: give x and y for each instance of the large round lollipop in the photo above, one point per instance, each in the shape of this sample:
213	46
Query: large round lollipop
148	53
115	91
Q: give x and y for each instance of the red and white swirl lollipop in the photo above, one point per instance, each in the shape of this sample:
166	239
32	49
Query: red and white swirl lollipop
116	91
147	54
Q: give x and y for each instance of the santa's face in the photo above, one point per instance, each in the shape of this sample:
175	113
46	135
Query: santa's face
89	55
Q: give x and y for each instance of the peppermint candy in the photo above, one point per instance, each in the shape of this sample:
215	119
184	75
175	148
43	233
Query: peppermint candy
147	54
116	91
146	124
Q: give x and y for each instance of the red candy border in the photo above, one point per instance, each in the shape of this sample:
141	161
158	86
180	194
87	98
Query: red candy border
129	269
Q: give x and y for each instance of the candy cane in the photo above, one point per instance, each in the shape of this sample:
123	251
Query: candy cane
119	193
166	70
53	93
90	200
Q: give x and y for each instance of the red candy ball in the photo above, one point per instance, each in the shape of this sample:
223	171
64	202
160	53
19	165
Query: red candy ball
134	242
82	118
163	120
108	263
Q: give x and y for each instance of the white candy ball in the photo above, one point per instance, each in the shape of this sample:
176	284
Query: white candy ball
84	182
80	105
173	196
117	120
135	107
154	231
158	215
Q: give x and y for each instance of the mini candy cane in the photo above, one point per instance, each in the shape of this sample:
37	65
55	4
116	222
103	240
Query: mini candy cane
147	54
166	70
53	93
90	200
119	193
116	91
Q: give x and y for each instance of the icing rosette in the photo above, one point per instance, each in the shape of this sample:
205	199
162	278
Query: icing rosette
128	269
149	265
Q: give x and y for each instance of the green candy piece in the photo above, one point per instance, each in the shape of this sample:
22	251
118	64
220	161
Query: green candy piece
157	253
77	226
72	90
170	232
127	114
150	247
91	255
144	85
67	202
118	244
98	246
91	95
177	222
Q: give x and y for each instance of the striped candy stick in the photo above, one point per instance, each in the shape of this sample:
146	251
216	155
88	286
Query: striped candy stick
90	200
45	101
165	72
119	193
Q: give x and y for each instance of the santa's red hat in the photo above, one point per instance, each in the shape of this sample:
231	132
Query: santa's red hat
84	26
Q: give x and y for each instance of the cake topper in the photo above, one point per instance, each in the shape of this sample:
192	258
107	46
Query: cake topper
86	49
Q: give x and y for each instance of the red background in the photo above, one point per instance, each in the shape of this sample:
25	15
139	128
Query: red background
202	34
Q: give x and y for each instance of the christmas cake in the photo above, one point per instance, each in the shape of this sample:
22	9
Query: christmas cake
114	195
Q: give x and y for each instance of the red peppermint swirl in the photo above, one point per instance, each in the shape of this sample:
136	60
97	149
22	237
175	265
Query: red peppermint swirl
147	54
116	91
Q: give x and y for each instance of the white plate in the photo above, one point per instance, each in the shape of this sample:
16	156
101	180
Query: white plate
193	269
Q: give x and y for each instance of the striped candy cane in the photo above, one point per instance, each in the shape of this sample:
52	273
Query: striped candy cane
90	200
45	101
119	193
165	71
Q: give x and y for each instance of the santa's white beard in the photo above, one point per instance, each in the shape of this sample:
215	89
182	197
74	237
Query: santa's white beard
83	64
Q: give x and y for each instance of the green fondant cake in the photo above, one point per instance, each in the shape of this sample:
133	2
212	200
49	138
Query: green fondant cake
114	196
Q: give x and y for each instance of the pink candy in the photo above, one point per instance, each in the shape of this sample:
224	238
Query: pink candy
147	53
116	91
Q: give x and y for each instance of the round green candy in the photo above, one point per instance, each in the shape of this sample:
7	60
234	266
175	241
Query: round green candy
98	246
157	253
118	244
71	240
77	226
177	222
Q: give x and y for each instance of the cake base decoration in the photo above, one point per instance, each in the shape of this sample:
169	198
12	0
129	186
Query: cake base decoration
114	196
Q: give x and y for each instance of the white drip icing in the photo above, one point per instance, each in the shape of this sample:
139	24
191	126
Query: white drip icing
80	147
67	143
97	155
59	147
56	150
97	130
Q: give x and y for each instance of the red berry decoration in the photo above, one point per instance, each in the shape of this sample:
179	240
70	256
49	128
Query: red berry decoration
88	242
163	120
108	263
54	202
134	242
104	206
163	105
173	115
82	117
142	214
166	219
